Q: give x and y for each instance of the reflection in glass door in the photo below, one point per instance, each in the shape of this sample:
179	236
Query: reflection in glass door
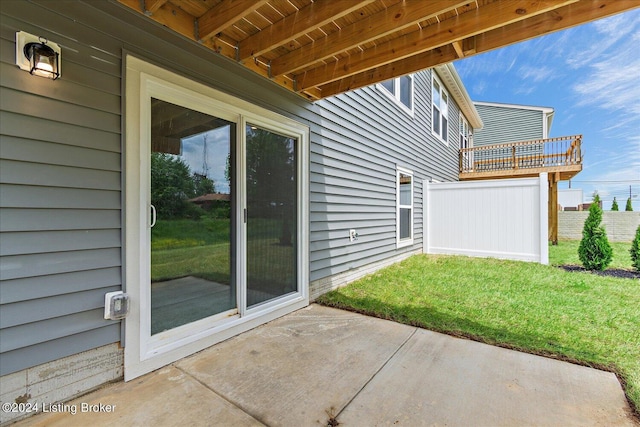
192	238
271	217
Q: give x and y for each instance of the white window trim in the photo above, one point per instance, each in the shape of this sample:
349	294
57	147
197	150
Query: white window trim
143	352
442	90
401	243
469	136
396	96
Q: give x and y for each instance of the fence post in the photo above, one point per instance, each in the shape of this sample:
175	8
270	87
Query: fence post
426	205
544	218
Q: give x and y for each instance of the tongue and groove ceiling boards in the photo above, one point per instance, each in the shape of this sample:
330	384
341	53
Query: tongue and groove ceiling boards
324	47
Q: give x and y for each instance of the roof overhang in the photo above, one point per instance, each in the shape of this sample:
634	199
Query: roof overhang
319	48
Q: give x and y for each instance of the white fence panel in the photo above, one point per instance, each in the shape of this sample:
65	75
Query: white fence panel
504	218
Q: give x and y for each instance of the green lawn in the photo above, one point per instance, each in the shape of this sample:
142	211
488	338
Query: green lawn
576	316
566	252
201	248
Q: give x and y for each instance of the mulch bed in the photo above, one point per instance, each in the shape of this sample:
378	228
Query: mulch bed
609	272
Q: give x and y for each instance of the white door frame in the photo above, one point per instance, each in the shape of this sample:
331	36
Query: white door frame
143	352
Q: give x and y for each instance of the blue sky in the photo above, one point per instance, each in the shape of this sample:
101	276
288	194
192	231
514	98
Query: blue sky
218	142
590	75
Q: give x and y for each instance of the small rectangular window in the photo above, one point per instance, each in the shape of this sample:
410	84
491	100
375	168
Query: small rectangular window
406	89
404	211
401	91
389	85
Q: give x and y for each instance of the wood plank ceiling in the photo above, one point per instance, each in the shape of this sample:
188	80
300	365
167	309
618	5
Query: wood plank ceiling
324	47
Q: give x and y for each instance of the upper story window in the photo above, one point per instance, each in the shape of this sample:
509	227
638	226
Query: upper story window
401	90
466	133
440	110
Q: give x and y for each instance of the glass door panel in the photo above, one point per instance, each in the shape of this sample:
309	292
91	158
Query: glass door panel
271	216
192	238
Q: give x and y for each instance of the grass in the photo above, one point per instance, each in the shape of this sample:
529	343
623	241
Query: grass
201	248
574	316
566	252
184	233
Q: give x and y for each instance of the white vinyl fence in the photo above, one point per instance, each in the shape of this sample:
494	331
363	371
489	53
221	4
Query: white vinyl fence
505	218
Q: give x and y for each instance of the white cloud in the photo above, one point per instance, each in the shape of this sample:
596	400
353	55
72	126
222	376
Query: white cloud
601	36
479	87
536	74
623	161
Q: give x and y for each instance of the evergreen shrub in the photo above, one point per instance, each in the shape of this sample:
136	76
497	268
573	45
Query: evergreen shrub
635	250
594	250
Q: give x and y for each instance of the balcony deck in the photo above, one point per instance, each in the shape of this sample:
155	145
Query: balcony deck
560	155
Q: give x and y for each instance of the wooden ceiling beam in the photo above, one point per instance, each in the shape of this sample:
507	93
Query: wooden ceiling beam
457	46
151	6
408	65
307	19
562	18
559	19
390	20
469	46
168	15
225	14
491	16
179	21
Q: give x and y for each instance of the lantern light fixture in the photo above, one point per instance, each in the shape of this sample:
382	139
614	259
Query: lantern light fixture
37	55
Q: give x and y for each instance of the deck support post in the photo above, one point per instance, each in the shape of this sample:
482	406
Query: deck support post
553	207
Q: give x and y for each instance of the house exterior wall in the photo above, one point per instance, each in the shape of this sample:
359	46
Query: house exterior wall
504	124
61	174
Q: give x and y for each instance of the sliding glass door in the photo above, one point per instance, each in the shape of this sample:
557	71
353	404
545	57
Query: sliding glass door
216	204
192	245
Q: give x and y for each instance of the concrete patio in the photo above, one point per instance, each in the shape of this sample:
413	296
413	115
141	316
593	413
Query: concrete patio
321	366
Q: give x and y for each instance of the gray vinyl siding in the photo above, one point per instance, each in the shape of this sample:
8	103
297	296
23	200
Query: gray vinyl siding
61	176
365	136
60	196
508	124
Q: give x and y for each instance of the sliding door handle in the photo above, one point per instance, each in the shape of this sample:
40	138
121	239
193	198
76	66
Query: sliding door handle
153	216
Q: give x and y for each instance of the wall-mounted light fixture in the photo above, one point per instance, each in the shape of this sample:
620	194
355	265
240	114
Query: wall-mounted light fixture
37	55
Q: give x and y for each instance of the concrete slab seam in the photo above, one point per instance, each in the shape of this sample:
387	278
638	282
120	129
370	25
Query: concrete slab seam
218	394
375	373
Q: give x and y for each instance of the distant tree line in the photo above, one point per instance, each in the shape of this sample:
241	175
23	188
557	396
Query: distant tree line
173	183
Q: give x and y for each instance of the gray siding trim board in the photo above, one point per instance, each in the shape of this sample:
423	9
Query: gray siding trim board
23	196
49	131
58	219
46	351
23	243
42	152
32	333
57	176
54	285
36	106
20	266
